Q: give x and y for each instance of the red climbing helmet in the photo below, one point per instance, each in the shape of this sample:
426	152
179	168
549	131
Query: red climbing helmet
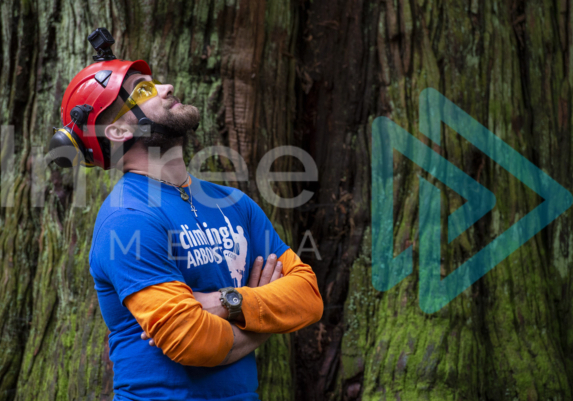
90	92
93	90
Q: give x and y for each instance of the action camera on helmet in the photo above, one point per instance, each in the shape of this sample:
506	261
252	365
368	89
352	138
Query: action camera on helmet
101	40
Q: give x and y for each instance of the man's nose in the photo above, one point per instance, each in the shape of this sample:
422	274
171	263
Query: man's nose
165	90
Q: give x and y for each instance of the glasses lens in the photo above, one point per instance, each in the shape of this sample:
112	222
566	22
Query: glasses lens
142	92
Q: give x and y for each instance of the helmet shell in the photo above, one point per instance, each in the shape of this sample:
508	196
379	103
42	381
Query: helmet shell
85	89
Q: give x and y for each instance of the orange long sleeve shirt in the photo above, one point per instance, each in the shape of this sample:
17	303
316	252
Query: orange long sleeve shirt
170	314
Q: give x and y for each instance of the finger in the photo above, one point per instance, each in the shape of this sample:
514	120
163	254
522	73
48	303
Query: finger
278	271
268	270
256	272
152	343
144	336
282	275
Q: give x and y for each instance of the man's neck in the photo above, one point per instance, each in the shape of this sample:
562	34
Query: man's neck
169	167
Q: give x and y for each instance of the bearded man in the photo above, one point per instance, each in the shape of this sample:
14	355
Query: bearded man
177	257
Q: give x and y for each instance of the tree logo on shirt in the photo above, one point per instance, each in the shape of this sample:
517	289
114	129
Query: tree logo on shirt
207	245
237	258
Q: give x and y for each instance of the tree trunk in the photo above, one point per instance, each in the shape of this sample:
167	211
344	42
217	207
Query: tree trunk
314	75
507	64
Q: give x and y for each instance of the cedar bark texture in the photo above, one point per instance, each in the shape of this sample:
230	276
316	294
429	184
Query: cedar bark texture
312	74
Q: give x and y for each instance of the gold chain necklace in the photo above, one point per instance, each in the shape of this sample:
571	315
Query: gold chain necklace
182	192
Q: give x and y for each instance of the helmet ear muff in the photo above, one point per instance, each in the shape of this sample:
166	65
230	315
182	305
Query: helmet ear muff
67	150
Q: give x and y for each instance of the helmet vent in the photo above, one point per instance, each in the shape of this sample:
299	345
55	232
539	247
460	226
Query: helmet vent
102	77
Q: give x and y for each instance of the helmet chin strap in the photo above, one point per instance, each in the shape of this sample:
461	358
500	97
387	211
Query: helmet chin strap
145	126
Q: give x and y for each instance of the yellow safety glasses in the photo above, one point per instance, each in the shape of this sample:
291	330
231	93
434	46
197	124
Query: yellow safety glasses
142	92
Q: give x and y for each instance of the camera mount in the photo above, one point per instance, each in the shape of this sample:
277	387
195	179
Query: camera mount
101	40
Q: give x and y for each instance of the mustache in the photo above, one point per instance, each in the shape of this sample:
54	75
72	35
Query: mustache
174	100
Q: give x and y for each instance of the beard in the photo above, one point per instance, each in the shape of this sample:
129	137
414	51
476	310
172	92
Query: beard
180	123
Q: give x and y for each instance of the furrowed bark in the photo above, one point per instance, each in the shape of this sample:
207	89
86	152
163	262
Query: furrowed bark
504	337
309	74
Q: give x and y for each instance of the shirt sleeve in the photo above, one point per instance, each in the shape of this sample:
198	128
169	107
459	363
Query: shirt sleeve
132	250
176	321
285	305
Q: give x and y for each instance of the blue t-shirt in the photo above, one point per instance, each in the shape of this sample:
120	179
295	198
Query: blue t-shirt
146	234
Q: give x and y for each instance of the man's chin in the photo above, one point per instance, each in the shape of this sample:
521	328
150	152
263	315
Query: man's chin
180	121
191	112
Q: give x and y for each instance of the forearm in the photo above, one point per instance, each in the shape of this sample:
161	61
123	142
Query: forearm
244	343
282	306
169	314
285	305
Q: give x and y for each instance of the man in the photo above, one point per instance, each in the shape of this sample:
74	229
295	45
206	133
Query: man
168	249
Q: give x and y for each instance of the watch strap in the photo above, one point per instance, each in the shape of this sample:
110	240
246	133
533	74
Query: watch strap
234	313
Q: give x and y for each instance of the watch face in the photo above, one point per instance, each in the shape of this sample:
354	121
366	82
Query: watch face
232	299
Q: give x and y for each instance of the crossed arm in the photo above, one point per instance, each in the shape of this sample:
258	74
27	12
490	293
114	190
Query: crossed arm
190	327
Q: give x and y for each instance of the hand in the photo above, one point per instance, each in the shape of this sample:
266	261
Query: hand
272	271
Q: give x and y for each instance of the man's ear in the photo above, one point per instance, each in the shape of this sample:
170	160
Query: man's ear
118	132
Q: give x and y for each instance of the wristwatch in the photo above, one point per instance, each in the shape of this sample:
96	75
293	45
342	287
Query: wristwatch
232	300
